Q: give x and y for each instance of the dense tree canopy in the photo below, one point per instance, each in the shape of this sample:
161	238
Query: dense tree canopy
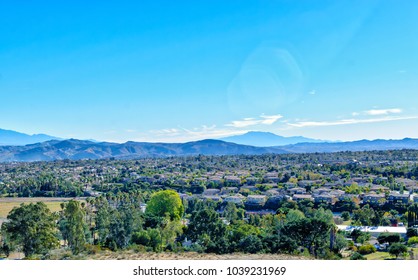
32	227
164	203
73	226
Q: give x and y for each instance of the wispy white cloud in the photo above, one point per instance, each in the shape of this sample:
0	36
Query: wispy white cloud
379	112
312	92
244	122
263	119
269	120
182	134
349	121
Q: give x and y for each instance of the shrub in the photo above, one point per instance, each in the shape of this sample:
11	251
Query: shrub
366	249
141	238
92	249
357	256
413	240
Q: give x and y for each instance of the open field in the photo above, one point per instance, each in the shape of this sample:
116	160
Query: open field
8	203
387	256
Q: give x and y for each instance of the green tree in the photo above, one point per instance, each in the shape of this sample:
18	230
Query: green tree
397	249
389	238
365	216
156	240
359	236
345	215
340	243
166	202
206	228
170	230
73	226
251	244
102	224
124	221
231	212
294	215
310	232
32	227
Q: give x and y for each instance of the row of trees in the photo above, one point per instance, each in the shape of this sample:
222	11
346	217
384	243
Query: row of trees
168	225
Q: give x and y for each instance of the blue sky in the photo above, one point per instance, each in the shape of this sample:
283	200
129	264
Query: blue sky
176	71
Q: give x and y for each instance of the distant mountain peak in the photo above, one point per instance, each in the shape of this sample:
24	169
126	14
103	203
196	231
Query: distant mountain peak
14	138
267	139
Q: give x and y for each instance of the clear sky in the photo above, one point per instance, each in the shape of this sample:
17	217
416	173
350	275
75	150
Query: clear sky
175	71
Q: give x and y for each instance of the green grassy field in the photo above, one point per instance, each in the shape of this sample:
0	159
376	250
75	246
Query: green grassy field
387	256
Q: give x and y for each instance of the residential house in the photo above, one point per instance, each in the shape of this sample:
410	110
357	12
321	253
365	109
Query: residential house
337	193
374	199
229	190
307	183
272	192
252	180
325	198
249	188
232	180
398	199
212	197
211	192
299	197
255	200
237	199
296	191
272	177
378	188
321	191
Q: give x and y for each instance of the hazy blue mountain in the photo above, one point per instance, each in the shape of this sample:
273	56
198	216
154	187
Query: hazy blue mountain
267	139
361	145
10	137
79	149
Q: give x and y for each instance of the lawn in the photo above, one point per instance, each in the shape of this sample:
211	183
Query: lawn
387	256
379	256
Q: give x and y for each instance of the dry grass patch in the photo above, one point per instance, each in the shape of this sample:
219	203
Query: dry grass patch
8	203
131	255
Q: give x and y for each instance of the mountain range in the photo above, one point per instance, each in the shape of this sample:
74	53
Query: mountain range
78	149
267	139
58	149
